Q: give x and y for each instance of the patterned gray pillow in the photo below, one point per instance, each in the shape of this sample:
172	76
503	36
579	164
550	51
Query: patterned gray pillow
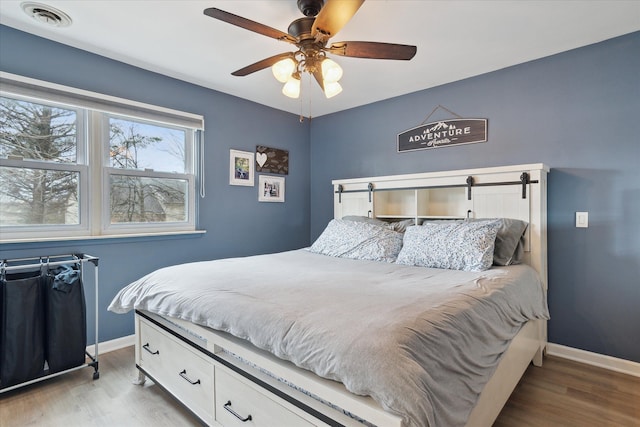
358	240
464	246
399	226
368	220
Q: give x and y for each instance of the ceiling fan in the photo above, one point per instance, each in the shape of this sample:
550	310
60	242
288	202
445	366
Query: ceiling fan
323	19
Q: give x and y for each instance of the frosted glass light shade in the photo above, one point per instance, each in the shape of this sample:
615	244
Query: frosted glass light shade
331	71
283	69
331	89
292	87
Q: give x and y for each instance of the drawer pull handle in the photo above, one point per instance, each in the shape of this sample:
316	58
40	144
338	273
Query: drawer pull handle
146	347
227	406
183	374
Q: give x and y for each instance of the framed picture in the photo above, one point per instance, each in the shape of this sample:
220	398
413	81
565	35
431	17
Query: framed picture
270	188
241	168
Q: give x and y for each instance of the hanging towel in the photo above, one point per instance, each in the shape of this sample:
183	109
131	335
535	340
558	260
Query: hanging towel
65	277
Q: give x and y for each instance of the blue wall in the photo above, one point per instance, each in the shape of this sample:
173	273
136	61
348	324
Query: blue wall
578	113
236	223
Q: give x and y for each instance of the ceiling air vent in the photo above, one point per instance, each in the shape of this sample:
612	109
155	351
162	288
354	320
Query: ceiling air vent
46	14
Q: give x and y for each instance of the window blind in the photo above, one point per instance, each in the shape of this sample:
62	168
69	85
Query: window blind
25	86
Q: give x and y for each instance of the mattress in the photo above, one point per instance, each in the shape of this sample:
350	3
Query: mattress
422	342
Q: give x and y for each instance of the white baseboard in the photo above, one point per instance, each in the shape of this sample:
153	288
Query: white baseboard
116	344
595	359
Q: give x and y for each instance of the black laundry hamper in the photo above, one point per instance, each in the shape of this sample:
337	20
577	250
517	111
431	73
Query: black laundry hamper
22	332
43	325
66	325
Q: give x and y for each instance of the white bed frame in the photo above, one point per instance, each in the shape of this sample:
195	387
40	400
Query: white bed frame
493	192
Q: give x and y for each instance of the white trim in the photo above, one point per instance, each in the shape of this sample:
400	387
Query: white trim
65	238
26	86
424	175
112	345
594	359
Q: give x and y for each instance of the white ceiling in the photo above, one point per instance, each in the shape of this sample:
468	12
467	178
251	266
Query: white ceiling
455	40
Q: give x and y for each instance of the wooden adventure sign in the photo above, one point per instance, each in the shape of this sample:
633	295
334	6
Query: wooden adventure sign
443	133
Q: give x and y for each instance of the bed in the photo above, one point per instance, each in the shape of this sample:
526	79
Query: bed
362	328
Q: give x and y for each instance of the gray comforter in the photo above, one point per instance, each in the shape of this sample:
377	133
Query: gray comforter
422	342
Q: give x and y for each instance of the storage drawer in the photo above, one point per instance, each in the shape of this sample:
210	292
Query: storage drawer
178	368
234	394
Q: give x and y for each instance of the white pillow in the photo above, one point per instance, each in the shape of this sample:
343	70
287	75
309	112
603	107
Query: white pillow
358	240
457	246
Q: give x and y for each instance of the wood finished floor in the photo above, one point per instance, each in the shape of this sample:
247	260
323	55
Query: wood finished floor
562	393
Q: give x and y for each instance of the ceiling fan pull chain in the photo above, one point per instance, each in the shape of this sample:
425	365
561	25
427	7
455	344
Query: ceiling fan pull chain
301	107
309	92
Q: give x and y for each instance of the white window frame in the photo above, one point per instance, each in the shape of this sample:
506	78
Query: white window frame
52	230
80	166
108	171
92	162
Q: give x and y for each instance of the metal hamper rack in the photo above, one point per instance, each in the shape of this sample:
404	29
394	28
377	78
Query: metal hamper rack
29	264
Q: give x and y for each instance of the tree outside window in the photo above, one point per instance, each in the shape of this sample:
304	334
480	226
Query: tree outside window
39	192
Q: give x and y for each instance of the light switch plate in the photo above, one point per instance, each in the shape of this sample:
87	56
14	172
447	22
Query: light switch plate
582	219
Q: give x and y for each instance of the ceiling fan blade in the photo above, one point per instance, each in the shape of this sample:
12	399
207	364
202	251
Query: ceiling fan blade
333	16
261	65
373	50
248	24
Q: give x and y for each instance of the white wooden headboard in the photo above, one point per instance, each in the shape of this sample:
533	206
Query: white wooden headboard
518	192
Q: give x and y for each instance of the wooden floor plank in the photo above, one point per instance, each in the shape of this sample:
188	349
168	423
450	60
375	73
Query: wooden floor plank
75	399
561	393
567	393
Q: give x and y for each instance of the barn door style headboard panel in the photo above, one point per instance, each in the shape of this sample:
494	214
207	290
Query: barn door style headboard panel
518	192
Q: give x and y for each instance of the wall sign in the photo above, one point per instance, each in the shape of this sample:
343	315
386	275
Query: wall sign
443	133
272	160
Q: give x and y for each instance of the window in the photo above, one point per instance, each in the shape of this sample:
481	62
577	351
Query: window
70	169
39	184
148	172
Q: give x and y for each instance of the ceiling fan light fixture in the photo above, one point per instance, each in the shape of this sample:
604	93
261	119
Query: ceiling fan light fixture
310	35
331	89
283	69
292	87
331	71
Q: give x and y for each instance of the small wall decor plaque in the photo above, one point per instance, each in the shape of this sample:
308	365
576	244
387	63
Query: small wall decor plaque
272	160
241	168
